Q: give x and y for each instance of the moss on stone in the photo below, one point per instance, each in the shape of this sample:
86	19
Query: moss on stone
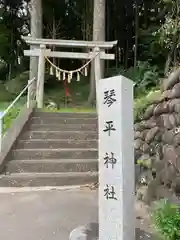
141	103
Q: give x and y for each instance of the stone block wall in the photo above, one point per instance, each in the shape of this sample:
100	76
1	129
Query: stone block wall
157	140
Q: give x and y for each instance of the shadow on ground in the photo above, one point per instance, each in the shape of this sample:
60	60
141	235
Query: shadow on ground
143	235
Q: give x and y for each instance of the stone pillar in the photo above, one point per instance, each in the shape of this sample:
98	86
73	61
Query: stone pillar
40	78
116	159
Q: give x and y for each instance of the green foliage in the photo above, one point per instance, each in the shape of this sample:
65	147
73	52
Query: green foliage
16	85
8	119
4	43
166	218
144	163
4	94
79	92
150	47
144	75
3	70
142	102
12	114
73	19
169	32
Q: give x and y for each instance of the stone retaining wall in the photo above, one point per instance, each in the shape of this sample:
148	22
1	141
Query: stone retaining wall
157	139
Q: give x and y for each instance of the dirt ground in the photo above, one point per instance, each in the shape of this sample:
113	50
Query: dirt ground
144	227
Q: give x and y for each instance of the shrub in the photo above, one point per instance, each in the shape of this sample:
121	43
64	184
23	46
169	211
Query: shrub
16	85
144	75
3	70
166	218
141	103
5	96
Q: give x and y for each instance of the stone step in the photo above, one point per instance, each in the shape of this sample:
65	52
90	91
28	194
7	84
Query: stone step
59	127
65	115
47	179
54	144
62	120
52	165
65	153
70	135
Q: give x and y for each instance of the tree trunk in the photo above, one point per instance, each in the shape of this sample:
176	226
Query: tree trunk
146	11
98	35
168	63
99	24
170	58
126	55
136	34
54	37
87	22
36	32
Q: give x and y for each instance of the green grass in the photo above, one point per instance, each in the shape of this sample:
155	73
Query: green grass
166	219
71	110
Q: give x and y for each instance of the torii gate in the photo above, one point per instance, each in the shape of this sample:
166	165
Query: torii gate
41	51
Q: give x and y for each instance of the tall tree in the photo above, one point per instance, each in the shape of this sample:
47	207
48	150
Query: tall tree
99	33
11	21
35	9
136	33
170	34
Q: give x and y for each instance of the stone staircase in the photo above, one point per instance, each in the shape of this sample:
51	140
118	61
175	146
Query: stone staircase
54	149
